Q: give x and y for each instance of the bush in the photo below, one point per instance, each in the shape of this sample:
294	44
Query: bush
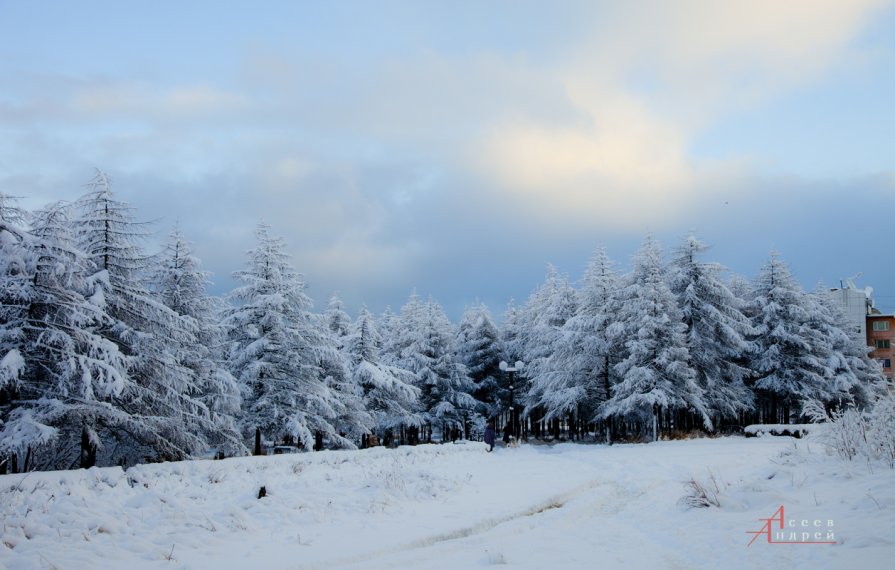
852	433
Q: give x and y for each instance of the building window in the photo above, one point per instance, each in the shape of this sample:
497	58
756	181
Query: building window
886	362
880	325
884	343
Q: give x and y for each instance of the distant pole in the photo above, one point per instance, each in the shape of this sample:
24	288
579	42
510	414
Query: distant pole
511	379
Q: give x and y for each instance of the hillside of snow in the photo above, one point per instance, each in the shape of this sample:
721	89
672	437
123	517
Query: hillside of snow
457	506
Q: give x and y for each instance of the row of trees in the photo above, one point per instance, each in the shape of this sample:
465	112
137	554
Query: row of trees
674	346
109	355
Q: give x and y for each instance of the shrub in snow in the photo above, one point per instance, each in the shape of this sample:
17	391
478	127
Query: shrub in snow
851	432
701	494
882	429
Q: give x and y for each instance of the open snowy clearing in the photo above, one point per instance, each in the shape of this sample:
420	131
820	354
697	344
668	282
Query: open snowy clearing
457	506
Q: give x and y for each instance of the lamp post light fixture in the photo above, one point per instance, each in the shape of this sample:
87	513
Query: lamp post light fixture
510	371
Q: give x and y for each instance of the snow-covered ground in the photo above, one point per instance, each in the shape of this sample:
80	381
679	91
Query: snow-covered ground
456	506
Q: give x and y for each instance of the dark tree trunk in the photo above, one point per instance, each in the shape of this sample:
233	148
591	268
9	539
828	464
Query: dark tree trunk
88	451
257	450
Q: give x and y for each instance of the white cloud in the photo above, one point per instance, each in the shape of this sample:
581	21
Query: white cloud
135	99
692	63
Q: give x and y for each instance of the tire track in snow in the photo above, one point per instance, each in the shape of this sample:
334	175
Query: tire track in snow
555	502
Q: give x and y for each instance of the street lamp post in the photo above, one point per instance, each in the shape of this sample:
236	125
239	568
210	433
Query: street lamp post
511	380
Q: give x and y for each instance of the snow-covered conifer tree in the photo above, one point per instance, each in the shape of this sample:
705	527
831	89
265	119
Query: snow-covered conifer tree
337	320
160	417
55	373
789	364
276	351
179	283
579	371
541	320
853	377
479	350
388	391
716	328
429	354
657	384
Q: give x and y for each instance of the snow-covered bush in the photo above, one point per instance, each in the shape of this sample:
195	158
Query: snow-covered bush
881	427
702	494
851	432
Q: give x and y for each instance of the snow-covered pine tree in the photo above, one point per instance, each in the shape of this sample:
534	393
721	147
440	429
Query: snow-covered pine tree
580	368
55	373
479	350
541	320
276	352
388	391
510	338
400	331
158	417
337	320
717	331
179	283
657	385
72	375
387	326
854	378
789	364
353	421
429	353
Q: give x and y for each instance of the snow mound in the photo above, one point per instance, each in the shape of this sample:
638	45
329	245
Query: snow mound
794	430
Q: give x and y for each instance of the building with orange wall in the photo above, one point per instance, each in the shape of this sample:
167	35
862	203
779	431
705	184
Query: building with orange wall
881	337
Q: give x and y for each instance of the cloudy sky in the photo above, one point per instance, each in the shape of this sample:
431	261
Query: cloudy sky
456	147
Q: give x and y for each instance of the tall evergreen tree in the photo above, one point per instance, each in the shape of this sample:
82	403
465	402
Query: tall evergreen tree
580	373
853	377
657	384
158	415
277	351
428	352
788	366
337	320
717	331
56	374
179	283
541	322
479	350
388	391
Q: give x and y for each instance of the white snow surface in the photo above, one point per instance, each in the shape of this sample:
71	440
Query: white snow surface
456	506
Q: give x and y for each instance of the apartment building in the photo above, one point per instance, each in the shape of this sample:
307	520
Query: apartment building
881	337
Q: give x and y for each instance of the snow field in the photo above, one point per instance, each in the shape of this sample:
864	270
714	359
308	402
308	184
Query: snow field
455	506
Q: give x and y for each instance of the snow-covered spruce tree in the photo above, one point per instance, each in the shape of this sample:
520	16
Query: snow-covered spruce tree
854	378
717	331
445	388
69	374
388	392
541	321
157	416
510	338
656	383
399	331
276	352
179	283
353	421
16	273
579	370
387	326
479	350
789	364
337	320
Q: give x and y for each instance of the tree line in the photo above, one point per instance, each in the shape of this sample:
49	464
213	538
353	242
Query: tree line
110	355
